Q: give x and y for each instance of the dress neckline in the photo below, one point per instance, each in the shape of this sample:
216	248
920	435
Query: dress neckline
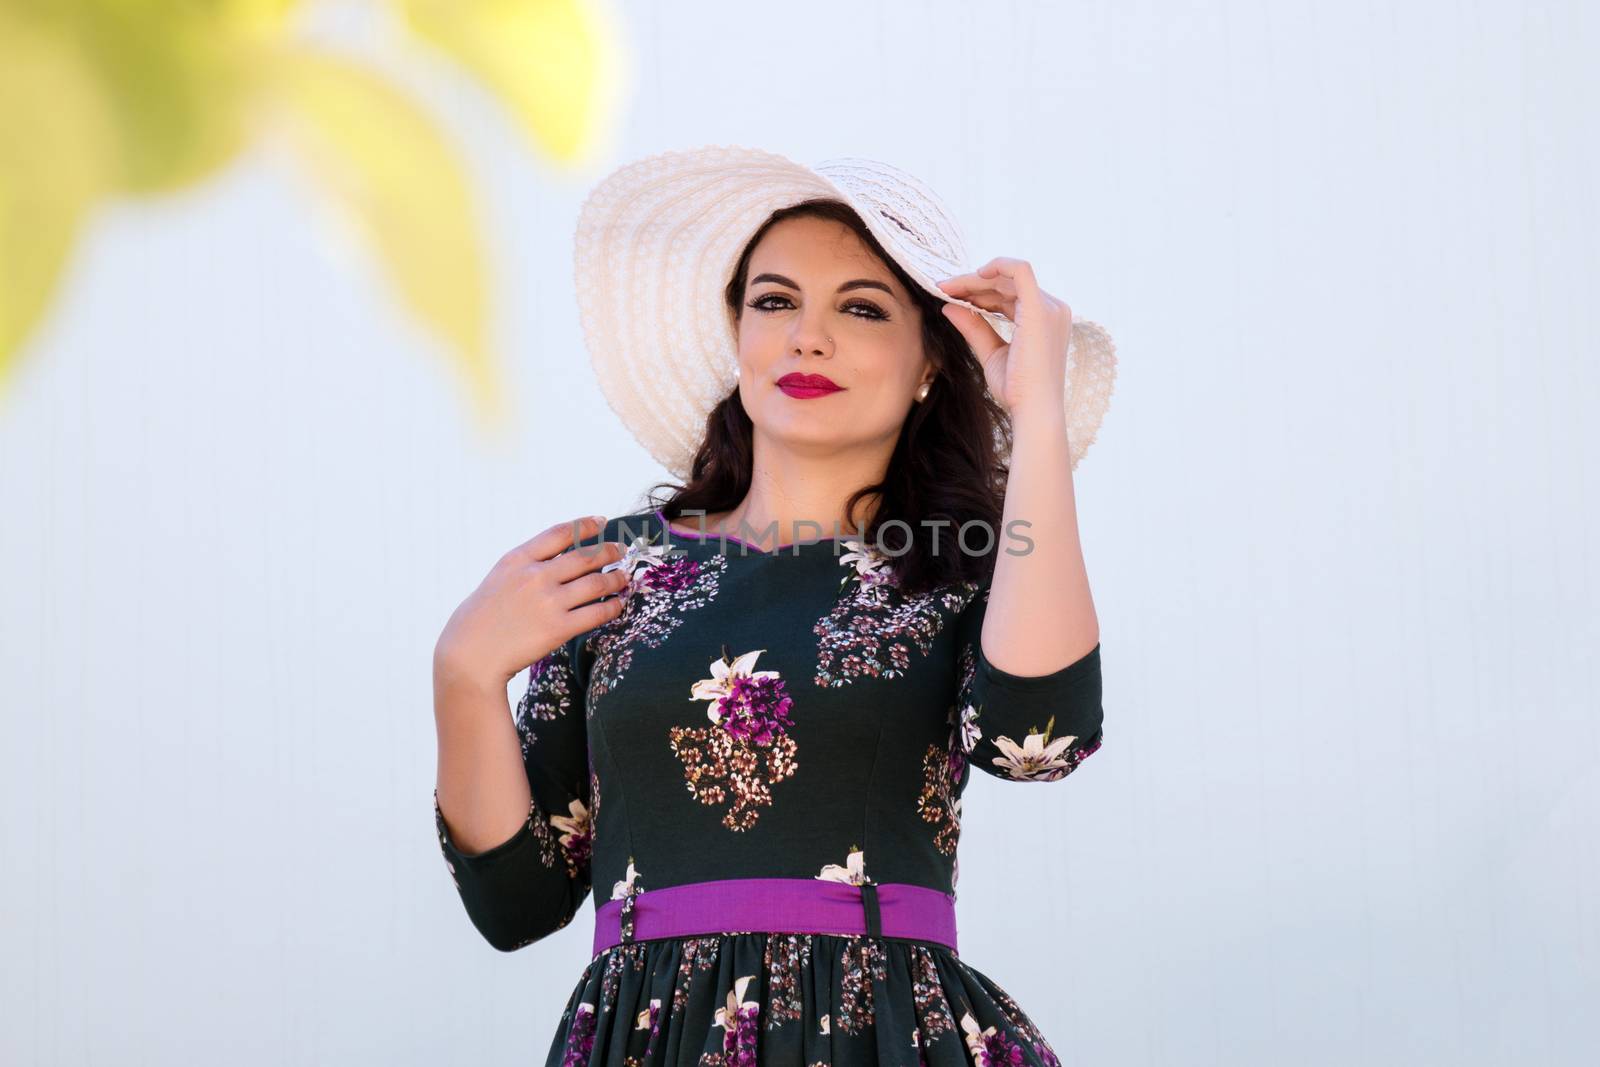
695	535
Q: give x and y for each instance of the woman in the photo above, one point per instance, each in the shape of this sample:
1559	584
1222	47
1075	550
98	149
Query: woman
754	704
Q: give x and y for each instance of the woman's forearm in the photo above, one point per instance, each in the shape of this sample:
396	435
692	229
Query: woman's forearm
482	785
1041	616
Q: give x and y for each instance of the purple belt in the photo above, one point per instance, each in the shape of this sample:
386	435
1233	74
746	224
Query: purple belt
780	905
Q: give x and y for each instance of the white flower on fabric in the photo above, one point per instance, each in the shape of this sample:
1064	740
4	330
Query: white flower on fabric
730	1015
970	734
871	565
643	1022
638	557
574	825
720	684
1034	760
823	1023
854	872
975	1038
627	886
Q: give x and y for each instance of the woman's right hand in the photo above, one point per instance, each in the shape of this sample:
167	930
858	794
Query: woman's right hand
536	598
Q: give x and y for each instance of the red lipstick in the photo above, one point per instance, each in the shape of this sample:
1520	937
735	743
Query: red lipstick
804	386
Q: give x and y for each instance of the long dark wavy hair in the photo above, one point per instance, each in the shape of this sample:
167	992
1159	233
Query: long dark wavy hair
948	463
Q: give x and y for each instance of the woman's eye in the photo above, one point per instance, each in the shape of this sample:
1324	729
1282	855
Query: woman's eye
763	303
874	312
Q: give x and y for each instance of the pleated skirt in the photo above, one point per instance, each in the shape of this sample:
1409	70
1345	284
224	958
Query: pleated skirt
791	1000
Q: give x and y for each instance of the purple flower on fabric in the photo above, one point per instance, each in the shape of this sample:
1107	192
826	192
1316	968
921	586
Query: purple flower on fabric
750	705
672	576
639	559
650	1019
1000	1051
958	760
989	1047
739	1016
577	836
756	709
872	567
747	749
543	664
580	1038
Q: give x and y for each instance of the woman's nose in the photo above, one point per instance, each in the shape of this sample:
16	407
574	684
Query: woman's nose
810	335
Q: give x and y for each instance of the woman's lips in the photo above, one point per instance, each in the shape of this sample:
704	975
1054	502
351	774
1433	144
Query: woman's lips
805	386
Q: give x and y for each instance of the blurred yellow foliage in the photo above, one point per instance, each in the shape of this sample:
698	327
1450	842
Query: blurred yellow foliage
103	98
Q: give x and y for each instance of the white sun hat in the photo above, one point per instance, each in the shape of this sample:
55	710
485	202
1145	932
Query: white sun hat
655	247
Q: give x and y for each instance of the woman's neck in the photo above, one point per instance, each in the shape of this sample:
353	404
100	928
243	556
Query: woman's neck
766	529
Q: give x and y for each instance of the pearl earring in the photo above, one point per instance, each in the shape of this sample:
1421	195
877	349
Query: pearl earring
922	391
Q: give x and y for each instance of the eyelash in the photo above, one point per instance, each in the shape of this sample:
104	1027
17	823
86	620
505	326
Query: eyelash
877	313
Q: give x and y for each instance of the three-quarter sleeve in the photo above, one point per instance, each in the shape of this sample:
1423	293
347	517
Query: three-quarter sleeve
532	884
1024	728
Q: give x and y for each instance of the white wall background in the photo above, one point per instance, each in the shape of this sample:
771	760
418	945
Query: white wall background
1341	522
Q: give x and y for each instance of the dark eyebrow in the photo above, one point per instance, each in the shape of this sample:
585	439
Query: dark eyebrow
854	283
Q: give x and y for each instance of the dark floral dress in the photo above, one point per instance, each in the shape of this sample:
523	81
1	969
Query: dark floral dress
782	714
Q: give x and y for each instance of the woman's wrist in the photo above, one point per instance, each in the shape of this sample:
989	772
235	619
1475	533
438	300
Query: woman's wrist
1044	416
459	678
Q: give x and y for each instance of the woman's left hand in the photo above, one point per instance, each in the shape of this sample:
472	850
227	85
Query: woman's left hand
1031	371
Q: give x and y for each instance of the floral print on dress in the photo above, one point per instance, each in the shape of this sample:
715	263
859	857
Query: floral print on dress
550	688
1038	758
939	803
854	871
638	557
786	958
1025	1026
627	885
650	1019
749	704
580	1037
927	993
663	584
989	1047
627	890
871	566
863	964
968	735
698	954
732	1003
576	837
873	629
594	799
739	1017
549	849
627	956
747	749
548	696
816	998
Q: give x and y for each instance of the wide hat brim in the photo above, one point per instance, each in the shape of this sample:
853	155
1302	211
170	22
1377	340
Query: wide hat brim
656	243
